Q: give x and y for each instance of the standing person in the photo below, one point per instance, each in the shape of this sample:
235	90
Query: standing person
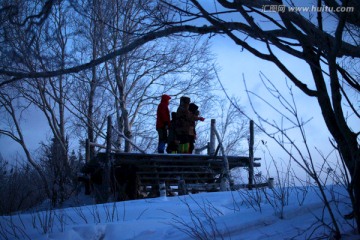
184	125
173	143
163	121
193	108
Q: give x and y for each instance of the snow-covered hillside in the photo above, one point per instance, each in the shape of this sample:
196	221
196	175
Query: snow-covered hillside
293	213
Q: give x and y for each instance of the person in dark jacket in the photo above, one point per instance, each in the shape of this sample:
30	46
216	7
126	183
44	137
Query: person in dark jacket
173	143
193	108
185	125
163	122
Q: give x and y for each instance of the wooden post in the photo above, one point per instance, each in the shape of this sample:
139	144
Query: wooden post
107	165
108	139
251	155
225	179
162	189
182	190
212	137
271	183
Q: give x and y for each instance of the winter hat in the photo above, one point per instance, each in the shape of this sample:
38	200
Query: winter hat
193	107
165	97
185	100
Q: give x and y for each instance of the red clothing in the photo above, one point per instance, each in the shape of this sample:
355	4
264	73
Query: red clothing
163	113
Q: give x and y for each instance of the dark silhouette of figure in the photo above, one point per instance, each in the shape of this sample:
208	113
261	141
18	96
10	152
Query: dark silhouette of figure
163	122
185	125
193	108
173	143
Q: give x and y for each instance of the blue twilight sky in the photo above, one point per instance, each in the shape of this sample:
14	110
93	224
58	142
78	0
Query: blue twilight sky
235	65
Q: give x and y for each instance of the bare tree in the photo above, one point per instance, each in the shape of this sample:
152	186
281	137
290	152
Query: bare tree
231	124
11	127
50	94
136	79
296	146
319	46
286	30
48	50
90	101
233	129
19	187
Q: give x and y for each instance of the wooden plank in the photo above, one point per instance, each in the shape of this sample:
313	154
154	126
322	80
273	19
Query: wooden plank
156	164
198	171
174	172
176	178
255	185
174	157
163	162
206	187
173	167
177	175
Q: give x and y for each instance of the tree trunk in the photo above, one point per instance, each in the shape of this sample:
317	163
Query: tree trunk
334	119
93	83
124	118
90	110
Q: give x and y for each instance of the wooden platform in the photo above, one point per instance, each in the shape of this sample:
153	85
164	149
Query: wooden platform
196	170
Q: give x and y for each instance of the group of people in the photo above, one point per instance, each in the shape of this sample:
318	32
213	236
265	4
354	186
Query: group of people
178	133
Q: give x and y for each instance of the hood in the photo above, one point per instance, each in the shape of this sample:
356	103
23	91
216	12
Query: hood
193	107
184	100
165	98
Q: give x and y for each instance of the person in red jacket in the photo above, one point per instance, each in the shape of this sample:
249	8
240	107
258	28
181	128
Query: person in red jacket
163	122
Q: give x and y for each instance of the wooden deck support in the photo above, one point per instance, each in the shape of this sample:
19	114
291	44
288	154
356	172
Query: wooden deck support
251	155
182	172
195	172
212	138
105	189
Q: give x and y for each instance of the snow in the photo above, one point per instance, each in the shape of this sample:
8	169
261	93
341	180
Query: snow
242	214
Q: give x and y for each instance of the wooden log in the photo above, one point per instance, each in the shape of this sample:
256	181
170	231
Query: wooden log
97	145
199	150
102	146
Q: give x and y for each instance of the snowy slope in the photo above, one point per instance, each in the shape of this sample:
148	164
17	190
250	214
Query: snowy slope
229	215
